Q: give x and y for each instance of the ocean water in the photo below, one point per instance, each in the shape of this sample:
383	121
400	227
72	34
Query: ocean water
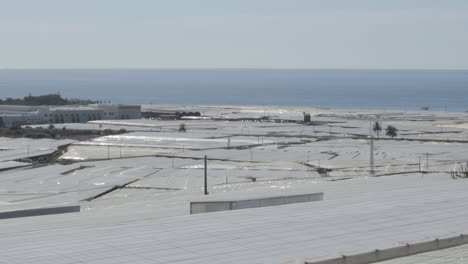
342	89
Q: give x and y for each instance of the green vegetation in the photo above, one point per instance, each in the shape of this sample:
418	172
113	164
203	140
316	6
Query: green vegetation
182	128
49	99
391	131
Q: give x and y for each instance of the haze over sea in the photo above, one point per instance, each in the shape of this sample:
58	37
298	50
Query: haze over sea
342	89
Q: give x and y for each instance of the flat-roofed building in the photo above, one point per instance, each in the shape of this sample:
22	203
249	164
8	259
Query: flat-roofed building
21	119
22	115
30	115
129	111
120	111
73	114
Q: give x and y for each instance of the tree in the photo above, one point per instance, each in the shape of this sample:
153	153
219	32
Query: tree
391	131
48	99
377	128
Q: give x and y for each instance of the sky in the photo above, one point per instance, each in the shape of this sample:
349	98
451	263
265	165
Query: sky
296	34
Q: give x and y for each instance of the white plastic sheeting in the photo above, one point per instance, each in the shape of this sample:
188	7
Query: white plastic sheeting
281	234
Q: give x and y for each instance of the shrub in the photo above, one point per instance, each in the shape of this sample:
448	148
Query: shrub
15	127
182	128
37	135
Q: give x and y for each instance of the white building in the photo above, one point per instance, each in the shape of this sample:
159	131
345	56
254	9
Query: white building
22	115
29	115
73	114
120	111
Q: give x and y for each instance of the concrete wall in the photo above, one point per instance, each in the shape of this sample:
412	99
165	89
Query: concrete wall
379	255
110	112
21	109
216	206
23	119
74	115
121	111
40	211
129	111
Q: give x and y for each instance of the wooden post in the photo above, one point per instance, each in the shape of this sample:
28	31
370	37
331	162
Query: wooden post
419	164
427	162
206	177
372	171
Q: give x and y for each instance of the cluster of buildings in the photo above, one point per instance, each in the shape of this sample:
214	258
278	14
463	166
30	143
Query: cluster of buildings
30	115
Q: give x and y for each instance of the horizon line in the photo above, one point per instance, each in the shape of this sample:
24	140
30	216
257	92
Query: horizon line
232	68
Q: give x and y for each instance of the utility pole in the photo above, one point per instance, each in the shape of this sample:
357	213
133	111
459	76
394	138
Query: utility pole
419	164
372	171
427	162
206	176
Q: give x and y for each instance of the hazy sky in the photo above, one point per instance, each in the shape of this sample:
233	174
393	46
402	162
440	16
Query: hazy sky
423	34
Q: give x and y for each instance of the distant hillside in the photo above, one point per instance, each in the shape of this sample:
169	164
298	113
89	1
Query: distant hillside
49	99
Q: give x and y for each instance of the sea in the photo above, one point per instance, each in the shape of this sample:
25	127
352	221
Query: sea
439	90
